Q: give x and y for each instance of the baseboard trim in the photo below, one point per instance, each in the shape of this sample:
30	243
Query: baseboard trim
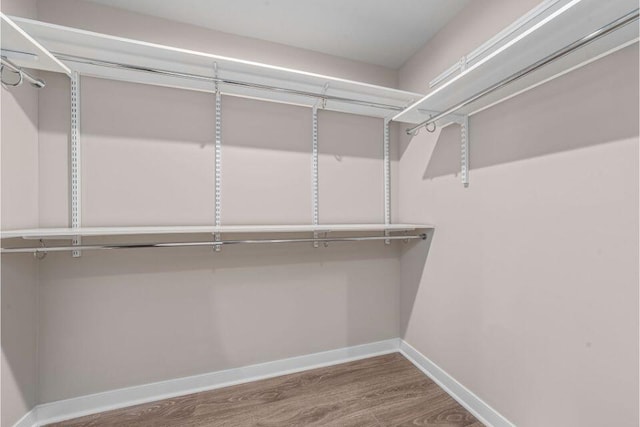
480	409
121	398
85	405
28	420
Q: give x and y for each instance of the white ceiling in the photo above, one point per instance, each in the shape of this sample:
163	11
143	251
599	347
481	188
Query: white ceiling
382	32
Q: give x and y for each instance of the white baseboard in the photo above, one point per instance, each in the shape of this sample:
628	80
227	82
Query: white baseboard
99	402
85	405
481	410
28	420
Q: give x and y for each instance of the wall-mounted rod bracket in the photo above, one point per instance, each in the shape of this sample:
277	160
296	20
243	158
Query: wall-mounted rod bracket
23	75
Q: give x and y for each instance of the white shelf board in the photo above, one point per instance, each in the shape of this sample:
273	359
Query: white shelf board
80	43
24	51
559	25
67	233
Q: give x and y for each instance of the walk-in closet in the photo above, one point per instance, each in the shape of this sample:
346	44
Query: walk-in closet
341	213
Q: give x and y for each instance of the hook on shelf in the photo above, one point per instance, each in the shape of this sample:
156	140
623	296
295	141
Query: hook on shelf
23	75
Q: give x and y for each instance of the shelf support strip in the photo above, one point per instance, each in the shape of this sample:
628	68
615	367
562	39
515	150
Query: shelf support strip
76	161
218	161
386	152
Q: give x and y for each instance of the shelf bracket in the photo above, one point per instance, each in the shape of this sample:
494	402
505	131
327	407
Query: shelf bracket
218	161
75	161
463	121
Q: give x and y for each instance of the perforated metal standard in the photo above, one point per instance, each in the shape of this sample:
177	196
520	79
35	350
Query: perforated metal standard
387	176
387	173
464	151
75	161
314	167
314	171
218	166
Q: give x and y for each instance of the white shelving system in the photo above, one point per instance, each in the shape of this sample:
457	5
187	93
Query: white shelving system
553	39
556	37
83	53
105	56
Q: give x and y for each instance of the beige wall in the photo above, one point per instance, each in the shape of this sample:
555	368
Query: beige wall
529	294
18	209
148	159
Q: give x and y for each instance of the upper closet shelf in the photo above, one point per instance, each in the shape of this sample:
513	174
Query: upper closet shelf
67	233
118	58
551	27
22	50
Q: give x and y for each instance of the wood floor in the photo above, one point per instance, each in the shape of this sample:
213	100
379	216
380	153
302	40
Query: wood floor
380	391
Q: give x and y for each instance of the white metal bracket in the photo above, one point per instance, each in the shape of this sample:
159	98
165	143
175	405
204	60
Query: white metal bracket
218	161
75	161
463	121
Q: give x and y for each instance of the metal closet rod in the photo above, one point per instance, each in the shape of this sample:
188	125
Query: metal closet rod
160	71
44	249
601	32
39	83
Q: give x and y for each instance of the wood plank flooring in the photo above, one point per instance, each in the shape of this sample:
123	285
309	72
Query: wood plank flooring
383	391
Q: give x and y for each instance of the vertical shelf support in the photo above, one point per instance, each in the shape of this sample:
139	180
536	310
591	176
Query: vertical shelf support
464	150
218	161
387	176
315	183
75	161
314	171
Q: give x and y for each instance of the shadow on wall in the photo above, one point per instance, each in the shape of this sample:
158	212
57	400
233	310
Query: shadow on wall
561	115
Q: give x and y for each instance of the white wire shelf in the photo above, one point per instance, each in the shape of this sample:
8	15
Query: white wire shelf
553	27
24	51
68	233
106	56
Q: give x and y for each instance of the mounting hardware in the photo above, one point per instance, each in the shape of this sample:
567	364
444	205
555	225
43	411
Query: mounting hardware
217	238
40	255
316	235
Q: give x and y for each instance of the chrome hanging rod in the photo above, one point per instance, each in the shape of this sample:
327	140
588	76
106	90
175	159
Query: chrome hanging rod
111	64
39	83
601	32
44	249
